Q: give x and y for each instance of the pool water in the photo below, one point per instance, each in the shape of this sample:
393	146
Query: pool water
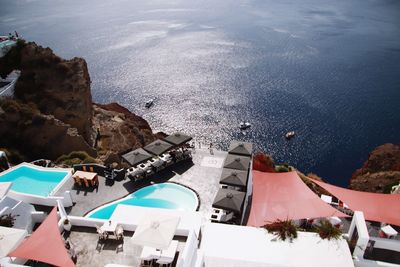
165	196
7	43
33	181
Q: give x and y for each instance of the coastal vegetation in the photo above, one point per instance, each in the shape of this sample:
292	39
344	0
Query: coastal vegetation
75	157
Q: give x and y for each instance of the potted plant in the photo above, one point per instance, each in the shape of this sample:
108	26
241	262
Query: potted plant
283	229
326	230
7	220
67	225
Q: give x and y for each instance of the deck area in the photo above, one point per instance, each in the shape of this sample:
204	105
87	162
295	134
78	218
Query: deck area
91	252
202	174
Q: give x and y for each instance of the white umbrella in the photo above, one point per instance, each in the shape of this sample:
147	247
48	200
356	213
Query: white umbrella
10	238
156	230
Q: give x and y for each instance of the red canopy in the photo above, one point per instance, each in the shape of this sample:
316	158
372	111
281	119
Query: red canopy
376	207
285	196
45	244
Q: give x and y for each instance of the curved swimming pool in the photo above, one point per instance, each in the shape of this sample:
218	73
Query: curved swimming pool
34	180
165	196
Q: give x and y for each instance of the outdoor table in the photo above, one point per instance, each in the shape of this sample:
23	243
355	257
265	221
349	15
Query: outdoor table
389	231
91	177
109	227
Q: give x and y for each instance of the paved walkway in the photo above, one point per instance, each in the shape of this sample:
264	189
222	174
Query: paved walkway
201	174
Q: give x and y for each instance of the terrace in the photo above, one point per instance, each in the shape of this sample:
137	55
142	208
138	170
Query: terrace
91	252
202	174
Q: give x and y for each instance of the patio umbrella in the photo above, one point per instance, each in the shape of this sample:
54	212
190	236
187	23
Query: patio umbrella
136	156
233	177
157	147
10	239
178	139
240	148
237	162
229	200
156	230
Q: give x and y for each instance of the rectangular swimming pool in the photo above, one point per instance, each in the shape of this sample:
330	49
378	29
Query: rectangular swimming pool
33	180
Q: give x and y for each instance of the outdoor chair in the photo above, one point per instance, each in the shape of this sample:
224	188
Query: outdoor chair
168	255
86	182
103	235
147	256
119	232
78	180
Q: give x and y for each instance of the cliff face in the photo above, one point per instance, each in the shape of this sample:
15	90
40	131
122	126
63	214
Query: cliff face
53	114
36	135
119	130
56	86
381	170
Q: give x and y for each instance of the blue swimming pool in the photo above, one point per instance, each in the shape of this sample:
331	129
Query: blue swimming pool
33	180
7	43
165	195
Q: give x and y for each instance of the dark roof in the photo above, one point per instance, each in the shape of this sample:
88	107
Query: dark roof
234	177
231	200
136	156
157	147
178	139
240	148
237	162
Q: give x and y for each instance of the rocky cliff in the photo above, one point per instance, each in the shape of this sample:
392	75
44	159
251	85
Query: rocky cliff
56	86
380	171
52	113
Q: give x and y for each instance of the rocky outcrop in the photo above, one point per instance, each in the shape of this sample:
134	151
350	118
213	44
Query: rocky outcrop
56	86
53	114
380	171
37	135
119	130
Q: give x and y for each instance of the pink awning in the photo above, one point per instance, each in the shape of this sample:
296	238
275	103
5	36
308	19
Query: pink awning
375	206
45	244
285	196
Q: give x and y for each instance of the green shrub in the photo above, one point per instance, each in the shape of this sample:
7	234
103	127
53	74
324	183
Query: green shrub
71	162
78	154
283	168
75	157
89	160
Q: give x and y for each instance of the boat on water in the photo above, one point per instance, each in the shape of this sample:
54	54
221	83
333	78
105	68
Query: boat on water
244	125
149	103
7	85
290	135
